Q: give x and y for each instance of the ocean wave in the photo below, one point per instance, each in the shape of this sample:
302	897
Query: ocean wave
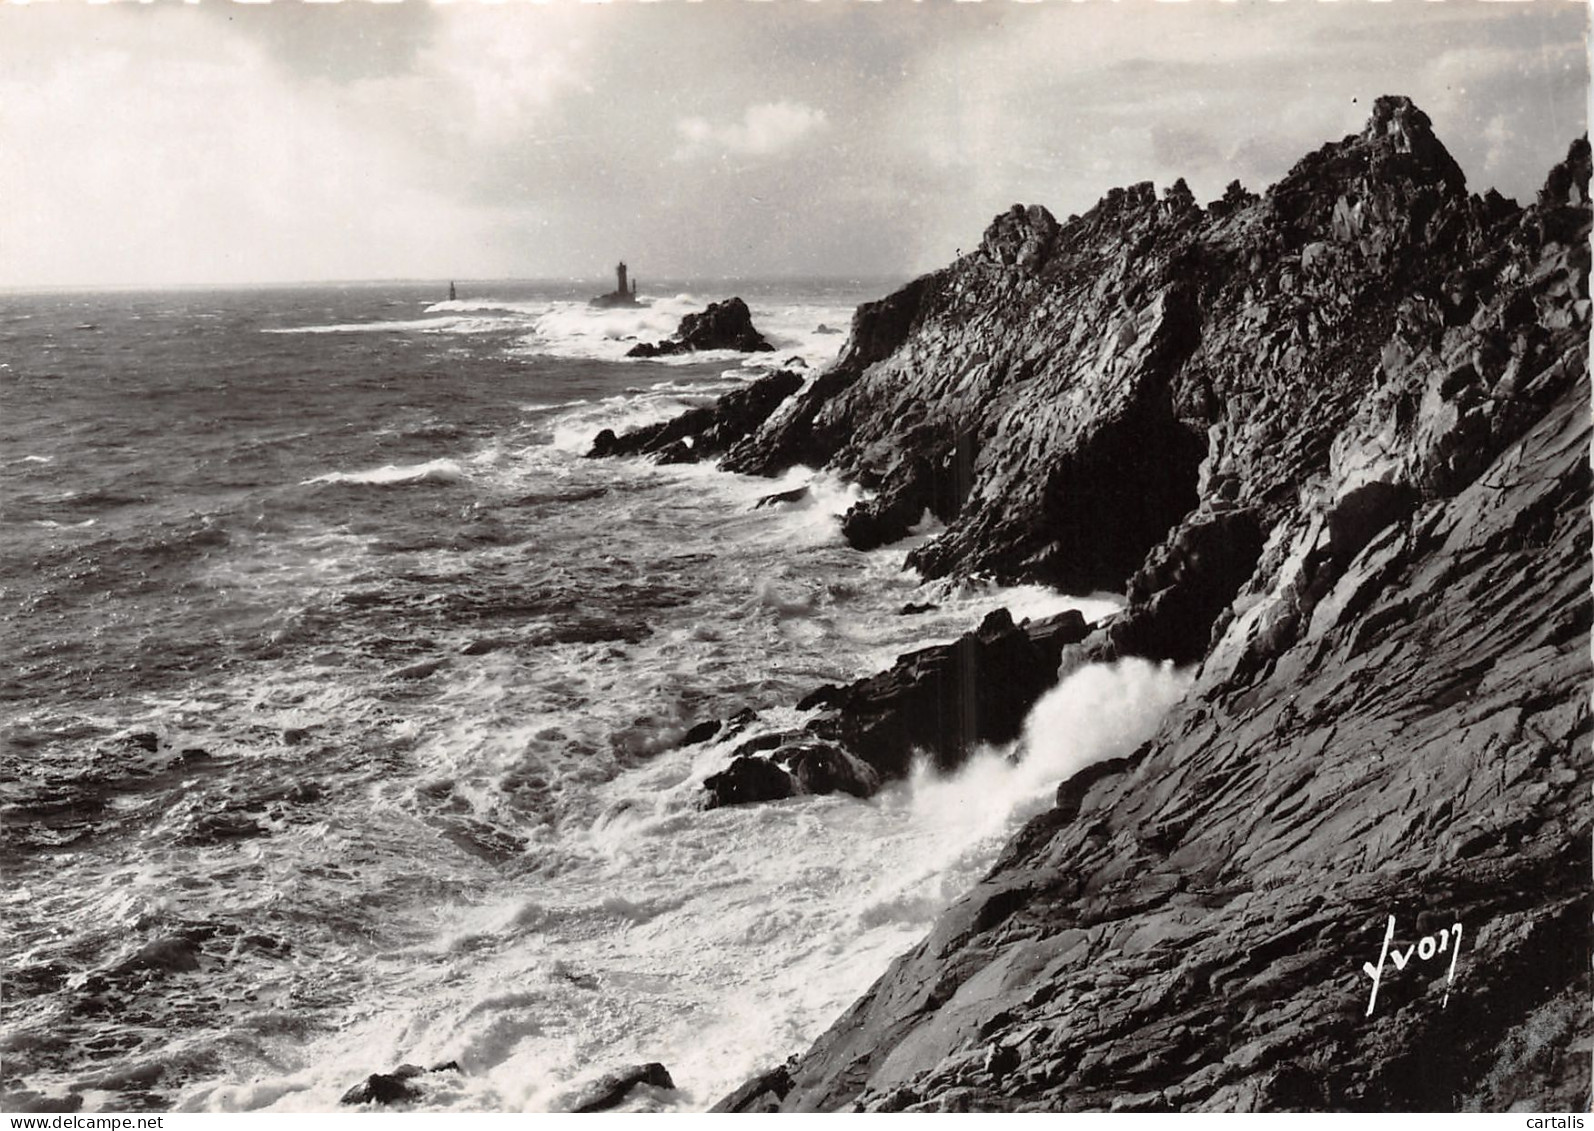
432	471
452	325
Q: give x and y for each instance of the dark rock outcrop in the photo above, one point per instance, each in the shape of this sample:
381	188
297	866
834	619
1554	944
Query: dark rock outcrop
386	1087
707	431
760	1094
724	325
941	701
746	780
394	1087
612	1090
1385	569
945	700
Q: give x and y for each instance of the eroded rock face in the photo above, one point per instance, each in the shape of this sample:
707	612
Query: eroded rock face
724	325
1067	394
1386	575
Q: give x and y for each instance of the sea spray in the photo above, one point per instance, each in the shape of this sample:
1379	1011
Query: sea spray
367	700
717	942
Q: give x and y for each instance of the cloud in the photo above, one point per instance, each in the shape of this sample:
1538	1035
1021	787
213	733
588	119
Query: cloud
766	128
160	144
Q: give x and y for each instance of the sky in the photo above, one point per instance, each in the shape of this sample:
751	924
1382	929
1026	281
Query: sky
223	142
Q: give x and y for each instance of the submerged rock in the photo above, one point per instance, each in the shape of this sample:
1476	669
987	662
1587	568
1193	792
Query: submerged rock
172	954
795	495
701	732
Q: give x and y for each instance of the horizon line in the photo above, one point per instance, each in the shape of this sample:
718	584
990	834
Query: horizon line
7	288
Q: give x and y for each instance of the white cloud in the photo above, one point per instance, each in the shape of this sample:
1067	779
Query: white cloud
161	144
204	165
766	128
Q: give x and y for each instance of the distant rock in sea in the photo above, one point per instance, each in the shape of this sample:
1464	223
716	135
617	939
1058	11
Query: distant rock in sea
724	325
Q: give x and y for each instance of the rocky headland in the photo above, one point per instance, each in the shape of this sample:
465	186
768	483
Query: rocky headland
1332	443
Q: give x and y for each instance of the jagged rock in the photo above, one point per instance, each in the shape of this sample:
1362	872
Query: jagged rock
746	780
1179	592
1234	197
1091	377
760	1094
1020	237
700	432
1385	573
724	325
947	699
795	495
1567	183
393	1087
701	732
942	701
611	1090
824	767
383	1088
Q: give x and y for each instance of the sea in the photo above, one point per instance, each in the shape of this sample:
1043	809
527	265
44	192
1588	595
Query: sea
342	697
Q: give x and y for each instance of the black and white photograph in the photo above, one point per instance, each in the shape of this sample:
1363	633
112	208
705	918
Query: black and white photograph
762	556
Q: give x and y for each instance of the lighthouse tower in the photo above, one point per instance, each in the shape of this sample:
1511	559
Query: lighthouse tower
619	272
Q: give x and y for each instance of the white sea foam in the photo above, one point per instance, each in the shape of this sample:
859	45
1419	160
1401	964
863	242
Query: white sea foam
507	865
457	325
578	330
718	942
432	471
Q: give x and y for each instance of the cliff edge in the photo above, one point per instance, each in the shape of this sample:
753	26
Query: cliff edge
1333	441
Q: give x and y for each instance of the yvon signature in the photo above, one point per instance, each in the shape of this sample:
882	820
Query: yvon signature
1428	948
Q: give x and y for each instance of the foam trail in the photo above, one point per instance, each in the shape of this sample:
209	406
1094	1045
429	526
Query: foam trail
433	471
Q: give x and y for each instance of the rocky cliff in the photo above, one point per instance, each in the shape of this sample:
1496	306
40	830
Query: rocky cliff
1333	443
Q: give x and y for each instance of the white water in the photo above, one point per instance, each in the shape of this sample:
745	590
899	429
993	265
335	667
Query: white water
718	942
501	860
558	328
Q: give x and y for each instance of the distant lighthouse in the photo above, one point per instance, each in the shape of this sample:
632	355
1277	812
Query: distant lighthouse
624	293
